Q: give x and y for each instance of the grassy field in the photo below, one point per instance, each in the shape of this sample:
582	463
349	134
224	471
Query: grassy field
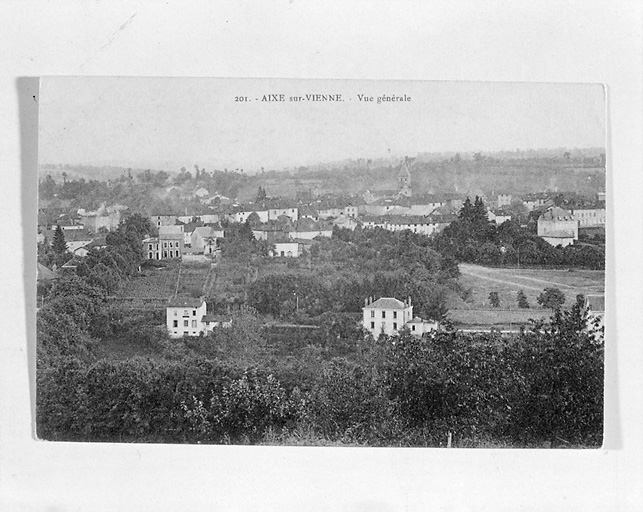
507	282
477	312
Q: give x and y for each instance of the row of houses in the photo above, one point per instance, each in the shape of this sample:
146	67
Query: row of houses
189	317
556	225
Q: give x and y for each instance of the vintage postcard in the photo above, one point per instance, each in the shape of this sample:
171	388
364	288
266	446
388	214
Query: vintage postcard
321	262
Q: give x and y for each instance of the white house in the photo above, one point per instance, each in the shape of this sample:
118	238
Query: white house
418	327
184	317
558	226
330	213
498	216
386	315
275	213
168	245
204	239
389	315
188	317
286	249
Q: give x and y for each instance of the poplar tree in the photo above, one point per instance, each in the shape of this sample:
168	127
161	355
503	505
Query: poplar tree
59	245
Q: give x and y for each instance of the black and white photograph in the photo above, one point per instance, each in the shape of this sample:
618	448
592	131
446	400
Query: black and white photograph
405	238
336	263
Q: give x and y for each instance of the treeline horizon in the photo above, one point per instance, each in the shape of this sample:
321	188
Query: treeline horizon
551	154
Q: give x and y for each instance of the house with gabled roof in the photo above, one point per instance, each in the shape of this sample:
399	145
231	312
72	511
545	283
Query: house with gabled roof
388	315
203	239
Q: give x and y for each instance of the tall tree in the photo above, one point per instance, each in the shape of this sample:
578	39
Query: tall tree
466	212
479	213
59	245
522	300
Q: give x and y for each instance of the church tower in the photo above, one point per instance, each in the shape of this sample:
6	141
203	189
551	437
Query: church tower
404	180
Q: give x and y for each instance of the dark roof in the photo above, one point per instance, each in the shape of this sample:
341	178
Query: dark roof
307	225
406	219
556	213
185	302
387	303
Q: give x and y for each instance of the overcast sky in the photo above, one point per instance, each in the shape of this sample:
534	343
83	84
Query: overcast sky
166	123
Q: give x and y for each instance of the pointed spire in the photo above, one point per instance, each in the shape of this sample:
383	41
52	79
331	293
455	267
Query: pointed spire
404	170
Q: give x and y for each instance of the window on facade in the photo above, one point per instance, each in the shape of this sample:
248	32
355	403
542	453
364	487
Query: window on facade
164	245
413	327
394	314
186	313
194	324
395	326
149	247
372	325
176	323
176	312
372	314
165	254
186	323
383	314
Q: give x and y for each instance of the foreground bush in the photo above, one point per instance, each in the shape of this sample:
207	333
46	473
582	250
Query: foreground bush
544	387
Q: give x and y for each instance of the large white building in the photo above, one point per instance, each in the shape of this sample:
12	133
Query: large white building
388	316
188	317
286	249
590	218
168	245
557	226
